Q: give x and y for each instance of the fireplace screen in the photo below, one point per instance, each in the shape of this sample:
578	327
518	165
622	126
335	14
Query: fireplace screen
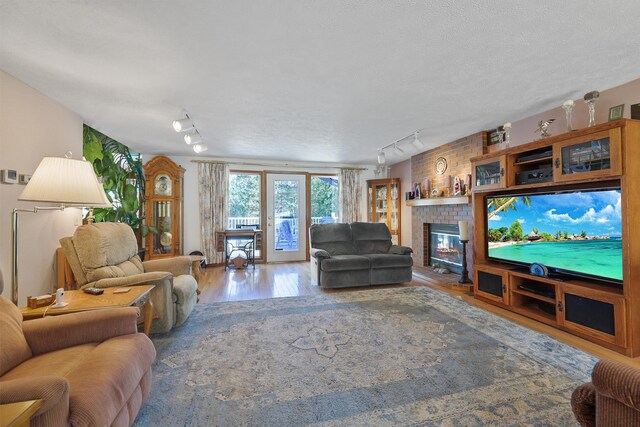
445	247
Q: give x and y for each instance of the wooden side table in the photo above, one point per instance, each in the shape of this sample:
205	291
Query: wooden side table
138	296
18	414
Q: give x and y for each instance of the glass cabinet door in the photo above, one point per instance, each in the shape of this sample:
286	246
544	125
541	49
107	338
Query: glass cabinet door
162	218
490	173
598	155
380	192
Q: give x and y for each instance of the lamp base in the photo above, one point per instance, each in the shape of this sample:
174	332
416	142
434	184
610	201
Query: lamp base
464	276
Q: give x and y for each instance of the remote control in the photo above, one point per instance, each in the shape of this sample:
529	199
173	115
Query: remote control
94	291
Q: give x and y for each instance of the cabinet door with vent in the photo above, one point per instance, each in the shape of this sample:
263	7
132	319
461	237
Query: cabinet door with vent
598	315
491	283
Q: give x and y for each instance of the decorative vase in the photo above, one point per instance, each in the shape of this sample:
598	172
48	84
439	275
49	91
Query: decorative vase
590	99
567	106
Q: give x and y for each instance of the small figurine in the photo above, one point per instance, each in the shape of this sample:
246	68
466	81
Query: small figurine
457	186
542	127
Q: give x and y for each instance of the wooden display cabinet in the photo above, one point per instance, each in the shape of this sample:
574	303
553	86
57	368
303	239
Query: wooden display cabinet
164	189
383	200
600	157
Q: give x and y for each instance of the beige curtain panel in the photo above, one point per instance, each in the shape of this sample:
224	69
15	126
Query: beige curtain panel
213	180
350	195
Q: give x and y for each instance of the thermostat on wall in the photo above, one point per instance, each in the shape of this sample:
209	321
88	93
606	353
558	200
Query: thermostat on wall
9	176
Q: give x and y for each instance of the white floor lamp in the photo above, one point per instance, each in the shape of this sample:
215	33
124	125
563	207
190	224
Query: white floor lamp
59	180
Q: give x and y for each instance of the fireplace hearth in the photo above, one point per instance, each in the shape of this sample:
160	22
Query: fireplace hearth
443	246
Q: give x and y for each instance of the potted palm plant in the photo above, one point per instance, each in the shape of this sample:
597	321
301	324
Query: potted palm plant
122	177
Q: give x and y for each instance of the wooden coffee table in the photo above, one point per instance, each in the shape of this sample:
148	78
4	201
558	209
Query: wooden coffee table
79	300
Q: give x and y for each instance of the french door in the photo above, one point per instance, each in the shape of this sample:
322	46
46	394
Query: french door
286	217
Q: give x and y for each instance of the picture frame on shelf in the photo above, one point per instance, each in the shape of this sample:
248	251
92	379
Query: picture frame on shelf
616	112
635	111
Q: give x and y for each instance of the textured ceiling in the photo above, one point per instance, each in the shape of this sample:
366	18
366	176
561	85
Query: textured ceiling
308	80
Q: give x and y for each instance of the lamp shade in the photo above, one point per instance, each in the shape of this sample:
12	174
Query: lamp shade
65	181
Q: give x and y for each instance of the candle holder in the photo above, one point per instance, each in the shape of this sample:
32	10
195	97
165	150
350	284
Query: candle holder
567	106
464	276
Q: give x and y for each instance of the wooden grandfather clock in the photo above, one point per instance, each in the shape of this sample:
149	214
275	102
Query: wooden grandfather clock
164	205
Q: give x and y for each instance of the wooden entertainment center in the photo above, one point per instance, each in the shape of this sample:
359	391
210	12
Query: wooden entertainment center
599	157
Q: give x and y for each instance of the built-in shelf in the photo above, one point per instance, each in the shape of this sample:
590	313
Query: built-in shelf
436	201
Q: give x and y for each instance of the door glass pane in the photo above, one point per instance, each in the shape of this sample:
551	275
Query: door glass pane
286	214
244	204
488	174
163	240
324	199
586	157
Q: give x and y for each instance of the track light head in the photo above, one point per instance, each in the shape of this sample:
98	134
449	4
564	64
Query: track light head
399	151
182	125
199	148
193	138
381	158
416	142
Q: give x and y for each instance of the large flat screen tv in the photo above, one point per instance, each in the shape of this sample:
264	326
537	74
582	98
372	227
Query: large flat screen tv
571	233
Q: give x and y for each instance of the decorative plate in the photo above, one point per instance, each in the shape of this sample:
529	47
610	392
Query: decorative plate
441	165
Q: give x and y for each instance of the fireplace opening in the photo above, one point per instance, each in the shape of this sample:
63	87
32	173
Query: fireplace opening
444	246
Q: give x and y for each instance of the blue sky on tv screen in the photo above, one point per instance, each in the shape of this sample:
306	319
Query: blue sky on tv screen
596	212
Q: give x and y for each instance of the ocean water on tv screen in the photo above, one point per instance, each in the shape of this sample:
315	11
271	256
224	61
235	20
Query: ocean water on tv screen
594	257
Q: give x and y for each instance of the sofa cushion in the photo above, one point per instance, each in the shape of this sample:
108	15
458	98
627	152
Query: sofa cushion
371	238
389	260
107	249
15	349
333	238
345	262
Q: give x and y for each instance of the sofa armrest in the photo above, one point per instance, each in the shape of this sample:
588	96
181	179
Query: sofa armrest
153	278
400	250
177	265
319	253
57	332
617	381
54	391
583	404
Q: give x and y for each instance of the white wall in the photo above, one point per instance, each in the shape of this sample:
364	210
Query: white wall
33	126
191	206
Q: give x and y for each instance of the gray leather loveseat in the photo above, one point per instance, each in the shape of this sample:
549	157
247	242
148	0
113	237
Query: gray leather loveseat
357	254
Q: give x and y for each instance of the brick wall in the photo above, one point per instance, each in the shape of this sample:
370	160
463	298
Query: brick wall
457	154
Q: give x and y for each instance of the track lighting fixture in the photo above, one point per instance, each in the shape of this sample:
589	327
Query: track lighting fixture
416	142
199	148
395	146
193	138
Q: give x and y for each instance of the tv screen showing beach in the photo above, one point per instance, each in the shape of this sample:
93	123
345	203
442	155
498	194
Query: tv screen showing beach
578	232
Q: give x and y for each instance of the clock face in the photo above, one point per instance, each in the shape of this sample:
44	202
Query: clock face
163	185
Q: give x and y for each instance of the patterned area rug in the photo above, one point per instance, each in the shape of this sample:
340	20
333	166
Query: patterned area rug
405	356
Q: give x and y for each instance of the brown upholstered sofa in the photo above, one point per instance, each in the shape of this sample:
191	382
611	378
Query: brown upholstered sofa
611	399
105	255
90	369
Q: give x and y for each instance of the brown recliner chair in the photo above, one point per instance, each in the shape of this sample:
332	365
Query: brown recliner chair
105	255
611	399
89	369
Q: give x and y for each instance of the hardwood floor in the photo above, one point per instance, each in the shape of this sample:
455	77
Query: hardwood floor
293	279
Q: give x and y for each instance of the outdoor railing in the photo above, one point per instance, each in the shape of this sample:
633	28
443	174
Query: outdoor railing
233	222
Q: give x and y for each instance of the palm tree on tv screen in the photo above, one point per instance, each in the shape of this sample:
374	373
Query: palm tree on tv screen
499	204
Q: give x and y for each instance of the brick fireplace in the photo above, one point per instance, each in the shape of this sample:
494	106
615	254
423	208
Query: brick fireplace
457	155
